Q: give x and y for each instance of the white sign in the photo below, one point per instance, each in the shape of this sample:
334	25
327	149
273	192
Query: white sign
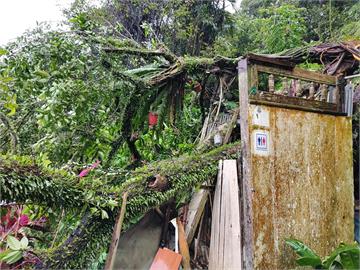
260	117
261	142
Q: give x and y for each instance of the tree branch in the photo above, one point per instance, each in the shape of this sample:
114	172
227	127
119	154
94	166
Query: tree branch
182	175
144	52
13	135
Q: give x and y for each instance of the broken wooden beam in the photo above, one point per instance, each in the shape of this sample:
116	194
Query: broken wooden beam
196	208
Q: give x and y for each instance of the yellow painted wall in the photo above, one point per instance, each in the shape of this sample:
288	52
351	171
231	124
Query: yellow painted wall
303	184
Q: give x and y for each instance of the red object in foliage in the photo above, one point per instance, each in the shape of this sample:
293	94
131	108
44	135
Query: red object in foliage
197	87
24	220
86	171
153	119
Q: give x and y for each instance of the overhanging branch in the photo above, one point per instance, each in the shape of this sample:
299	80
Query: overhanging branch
144	53
179	177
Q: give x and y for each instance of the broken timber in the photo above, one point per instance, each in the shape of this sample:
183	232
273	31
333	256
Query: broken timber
116	234
196	209
225	243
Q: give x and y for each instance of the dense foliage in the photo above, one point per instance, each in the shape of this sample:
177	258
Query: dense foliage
65	99
206	27
82	93
100	194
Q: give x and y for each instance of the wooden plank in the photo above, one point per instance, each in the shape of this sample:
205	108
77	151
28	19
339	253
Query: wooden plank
231	126
232	245
266	98
166	259
226	210
339	93
222	213
196	208
270	60
184	248
253	78
225	247
215	223
298	73
246	165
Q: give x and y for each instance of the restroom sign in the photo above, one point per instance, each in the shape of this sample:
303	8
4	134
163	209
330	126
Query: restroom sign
261	141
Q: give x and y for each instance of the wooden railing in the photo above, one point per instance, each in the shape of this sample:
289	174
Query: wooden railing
293	87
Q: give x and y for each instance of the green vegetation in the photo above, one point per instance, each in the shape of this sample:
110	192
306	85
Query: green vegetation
69	98
99	194
345	256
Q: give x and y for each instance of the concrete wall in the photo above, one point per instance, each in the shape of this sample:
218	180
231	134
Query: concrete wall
302	182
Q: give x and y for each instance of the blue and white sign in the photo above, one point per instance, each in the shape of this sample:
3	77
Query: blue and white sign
261	142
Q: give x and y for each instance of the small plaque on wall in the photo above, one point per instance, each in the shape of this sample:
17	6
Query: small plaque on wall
260	117
261	142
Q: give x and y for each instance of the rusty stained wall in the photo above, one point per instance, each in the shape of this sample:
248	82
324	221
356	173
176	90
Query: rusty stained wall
303	185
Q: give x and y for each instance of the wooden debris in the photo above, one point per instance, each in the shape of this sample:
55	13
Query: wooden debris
116	234
184	248
266	98
285	84
298	90
166	259
231	125
324	92
225	245
196	208
312	91
247	213
271	83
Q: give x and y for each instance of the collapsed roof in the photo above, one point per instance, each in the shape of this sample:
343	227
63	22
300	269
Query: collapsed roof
338	58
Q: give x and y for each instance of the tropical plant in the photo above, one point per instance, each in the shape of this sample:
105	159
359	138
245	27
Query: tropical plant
15	227
345	256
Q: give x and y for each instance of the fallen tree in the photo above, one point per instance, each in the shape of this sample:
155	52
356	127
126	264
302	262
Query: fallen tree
148	187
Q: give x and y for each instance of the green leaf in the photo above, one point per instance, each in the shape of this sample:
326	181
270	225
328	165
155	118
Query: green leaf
104	214
4	253
93	210
309	261
11	106
301	249
3	51
24	242
42	73
112	203
13	257
13	243
349	256
307	256
336	264
350	259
